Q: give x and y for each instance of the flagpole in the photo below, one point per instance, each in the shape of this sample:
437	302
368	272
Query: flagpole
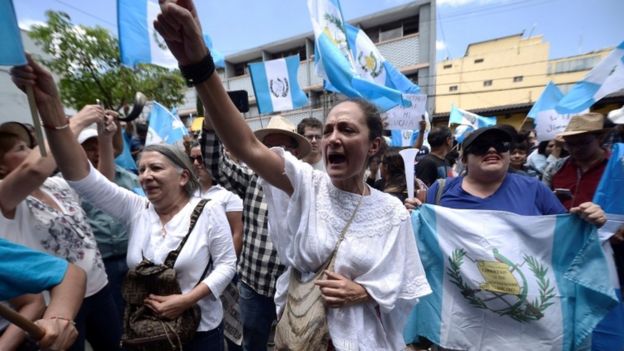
35	118
22	322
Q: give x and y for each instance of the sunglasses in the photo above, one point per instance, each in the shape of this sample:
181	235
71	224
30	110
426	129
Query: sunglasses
482	148
199	159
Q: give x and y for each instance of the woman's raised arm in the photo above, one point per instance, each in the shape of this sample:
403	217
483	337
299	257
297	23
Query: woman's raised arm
179	26
69	156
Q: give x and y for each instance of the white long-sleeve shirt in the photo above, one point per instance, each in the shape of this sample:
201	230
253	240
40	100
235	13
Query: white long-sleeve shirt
210	238
378	252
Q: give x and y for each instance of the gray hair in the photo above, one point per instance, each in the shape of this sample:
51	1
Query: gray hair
180	161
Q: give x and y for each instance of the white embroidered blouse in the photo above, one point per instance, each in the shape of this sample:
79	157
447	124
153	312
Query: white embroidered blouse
378	252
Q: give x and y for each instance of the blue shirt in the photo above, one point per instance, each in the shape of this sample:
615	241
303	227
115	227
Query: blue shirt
25	271
517	194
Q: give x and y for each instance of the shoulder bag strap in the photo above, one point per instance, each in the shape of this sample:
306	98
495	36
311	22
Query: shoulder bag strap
173	255
441	184
342	235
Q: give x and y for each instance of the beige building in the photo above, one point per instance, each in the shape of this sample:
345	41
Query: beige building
503	77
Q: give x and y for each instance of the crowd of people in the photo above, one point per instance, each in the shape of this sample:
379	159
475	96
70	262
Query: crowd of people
322	202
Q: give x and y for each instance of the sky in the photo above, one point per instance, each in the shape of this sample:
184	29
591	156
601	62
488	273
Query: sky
570	26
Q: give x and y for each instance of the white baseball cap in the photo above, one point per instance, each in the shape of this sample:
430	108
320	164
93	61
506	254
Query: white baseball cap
87	134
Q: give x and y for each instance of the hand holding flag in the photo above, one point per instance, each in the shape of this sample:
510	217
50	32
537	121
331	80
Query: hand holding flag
12	53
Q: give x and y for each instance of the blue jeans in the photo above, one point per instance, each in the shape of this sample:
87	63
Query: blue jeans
98	323
257	316
211	340
116	269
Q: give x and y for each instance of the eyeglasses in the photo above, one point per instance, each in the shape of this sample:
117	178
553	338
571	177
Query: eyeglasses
482	148
313	136
199	159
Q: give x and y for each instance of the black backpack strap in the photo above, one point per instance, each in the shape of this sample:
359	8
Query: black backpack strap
441	183
173	255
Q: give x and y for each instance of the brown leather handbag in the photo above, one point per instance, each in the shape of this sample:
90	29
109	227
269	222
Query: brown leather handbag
143	329
303	324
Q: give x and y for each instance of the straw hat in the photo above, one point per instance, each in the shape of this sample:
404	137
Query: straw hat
591	122
280	125
20	130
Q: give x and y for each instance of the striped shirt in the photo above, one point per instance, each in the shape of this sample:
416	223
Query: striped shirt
258	266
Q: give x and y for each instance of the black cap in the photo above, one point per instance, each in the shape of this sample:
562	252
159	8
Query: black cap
494	131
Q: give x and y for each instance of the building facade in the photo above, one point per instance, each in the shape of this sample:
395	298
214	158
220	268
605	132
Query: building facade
405	36
503	77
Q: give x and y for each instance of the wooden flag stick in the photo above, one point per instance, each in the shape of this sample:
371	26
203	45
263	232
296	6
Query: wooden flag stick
35	118
22	322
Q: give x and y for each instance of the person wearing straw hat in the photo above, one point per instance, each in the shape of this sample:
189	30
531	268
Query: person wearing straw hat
574	178
258	265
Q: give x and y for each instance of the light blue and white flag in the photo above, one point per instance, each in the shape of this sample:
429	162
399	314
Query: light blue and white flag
372	66
548	122
11	50
503	281
606	78
217	56
334	61
138	40
610	191
275	85
403	138
467	122
164	126
125	159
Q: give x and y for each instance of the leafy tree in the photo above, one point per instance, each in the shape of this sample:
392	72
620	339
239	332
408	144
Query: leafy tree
87	60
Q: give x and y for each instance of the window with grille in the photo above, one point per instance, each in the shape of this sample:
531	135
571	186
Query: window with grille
453	88
487	83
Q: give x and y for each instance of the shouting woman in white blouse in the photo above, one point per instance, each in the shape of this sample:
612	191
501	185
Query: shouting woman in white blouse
377	275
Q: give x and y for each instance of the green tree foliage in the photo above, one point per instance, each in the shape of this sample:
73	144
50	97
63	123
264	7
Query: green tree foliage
87	60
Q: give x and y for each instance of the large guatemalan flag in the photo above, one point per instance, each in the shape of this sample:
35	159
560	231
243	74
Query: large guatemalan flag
275	85
606	78
11	50
334	61
372	66
502	281
467	122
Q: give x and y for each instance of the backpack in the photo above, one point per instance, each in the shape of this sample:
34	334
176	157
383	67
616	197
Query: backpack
143	329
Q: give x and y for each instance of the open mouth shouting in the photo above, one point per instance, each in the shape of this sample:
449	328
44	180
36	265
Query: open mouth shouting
335	158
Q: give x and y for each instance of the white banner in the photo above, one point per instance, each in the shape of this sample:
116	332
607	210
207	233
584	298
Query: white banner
408	118
549	123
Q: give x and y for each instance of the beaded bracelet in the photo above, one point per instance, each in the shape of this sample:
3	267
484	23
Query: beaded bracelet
63	319
196	73
49	127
